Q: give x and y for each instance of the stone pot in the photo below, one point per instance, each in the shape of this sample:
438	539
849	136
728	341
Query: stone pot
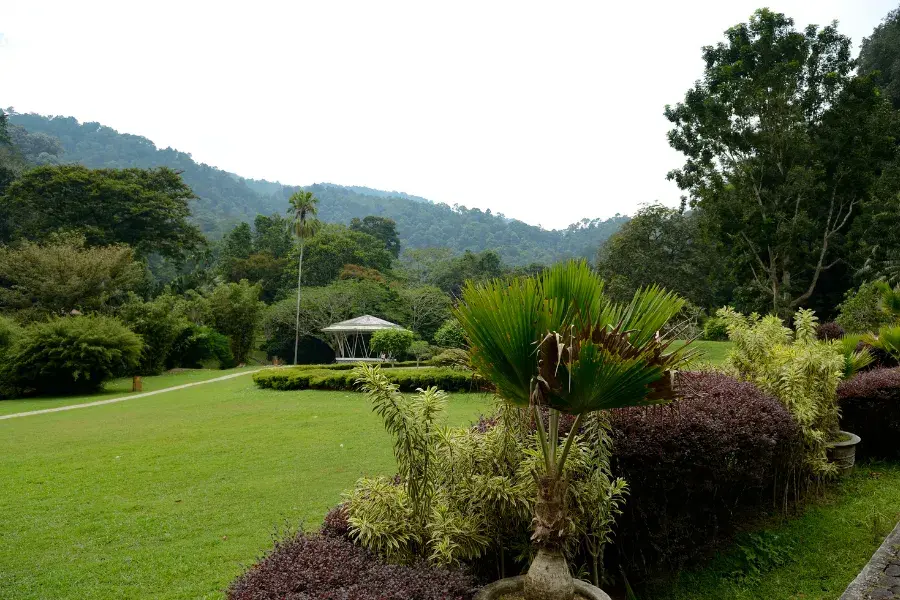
512	585
843	453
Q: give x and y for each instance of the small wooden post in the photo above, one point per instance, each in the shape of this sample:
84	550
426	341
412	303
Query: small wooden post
136	384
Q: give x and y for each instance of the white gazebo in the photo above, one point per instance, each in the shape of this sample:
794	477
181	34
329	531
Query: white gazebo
351	339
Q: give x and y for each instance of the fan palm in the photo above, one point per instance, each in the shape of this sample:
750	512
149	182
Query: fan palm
303	210
553	342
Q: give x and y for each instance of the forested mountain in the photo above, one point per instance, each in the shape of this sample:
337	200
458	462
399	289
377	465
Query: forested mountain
226	198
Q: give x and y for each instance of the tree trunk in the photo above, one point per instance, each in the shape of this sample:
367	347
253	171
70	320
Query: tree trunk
548	576
297	326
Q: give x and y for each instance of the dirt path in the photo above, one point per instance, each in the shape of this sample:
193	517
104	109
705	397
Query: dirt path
128	397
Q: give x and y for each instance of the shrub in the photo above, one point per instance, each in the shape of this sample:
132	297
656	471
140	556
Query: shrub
421	350
409	380
198	344
862	310
829	331
9	332
698	466
870	408
450	335
158	324
72	354
316	567
392	343
453	358
237	312
715	330
802	372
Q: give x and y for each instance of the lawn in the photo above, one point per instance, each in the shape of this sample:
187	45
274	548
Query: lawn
169	496
116	388
813	557
713	353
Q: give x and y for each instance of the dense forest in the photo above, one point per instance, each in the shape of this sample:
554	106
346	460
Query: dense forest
224	199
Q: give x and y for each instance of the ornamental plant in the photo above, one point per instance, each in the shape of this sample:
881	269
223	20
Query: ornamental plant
798	369
393	343
554	342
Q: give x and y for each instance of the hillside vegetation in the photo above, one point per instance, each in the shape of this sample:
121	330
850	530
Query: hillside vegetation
225	199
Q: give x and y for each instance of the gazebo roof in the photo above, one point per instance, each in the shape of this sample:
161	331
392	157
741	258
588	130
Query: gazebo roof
363	324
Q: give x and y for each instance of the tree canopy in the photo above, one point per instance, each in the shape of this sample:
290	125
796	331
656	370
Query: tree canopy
146	209
784	146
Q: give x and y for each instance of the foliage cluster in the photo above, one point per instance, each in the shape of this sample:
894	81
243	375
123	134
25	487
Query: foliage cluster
798	369
408	380
450	335
699	467
71	354
392	343
862	310
465	496
322	567
870	408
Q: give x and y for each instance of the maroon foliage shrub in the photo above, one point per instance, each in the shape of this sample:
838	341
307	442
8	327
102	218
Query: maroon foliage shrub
337	523
697	467
829	331
315	567
870	408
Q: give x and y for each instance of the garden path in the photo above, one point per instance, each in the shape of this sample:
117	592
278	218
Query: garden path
128	397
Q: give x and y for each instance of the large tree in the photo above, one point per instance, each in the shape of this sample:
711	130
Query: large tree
381	228
63	275
304	206
881	52
334	246
783	146
146	209
662	246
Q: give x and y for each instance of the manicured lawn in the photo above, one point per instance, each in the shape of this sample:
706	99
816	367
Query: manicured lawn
168	496
822	551
713	353
116	388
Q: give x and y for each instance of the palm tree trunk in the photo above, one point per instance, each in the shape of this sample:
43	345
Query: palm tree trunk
297	326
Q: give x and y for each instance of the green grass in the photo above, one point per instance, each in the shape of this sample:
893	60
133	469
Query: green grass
713	353
821	551
169	496
116	388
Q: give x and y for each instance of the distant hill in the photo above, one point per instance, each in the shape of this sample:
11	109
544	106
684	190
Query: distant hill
226	198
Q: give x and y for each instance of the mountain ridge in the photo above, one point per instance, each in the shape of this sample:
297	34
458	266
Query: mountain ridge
226	198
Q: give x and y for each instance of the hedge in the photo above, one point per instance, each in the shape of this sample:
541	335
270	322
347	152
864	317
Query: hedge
322	567
870	408
697	468
409	380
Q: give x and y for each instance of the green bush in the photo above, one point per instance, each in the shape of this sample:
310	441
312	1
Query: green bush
159	325
450	335
715	330
453	358
341	378
198	344
73	354
392	343
9	331
862	310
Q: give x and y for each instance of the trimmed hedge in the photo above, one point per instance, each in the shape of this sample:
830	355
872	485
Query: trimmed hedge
698	467
870	408
409	380
319	567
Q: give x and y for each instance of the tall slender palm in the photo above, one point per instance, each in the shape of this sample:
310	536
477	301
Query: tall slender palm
303	209
553	342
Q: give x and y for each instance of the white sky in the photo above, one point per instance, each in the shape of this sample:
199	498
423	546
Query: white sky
547	112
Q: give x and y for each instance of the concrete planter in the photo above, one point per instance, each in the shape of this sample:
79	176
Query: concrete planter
843	454
513	585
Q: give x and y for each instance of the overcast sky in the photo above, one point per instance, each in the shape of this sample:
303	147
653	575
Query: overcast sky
548	112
